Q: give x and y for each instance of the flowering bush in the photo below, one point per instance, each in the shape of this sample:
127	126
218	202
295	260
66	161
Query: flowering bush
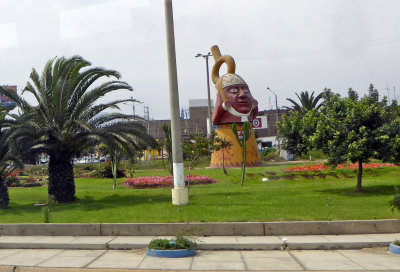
322	167
22	181
168	181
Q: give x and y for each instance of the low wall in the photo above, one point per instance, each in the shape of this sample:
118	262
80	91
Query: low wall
206	229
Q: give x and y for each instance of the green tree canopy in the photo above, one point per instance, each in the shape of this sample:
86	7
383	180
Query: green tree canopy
349	129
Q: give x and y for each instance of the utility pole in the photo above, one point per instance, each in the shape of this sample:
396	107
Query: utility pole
394	92
133	107
147	117
387	89
209	123
276	117
180	193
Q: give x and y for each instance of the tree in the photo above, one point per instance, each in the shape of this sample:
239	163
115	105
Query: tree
193	148
346	129
168	145
350	129
242	139
296	129
8	162
222	144
307	101
127	146
67	116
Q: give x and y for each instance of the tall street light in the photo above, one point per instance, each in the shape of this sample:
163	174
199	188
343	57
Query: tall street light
133	107
180	193
276	116
209	123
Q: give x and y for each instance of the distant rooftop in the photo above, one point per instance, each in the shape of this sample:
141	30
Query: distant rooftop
199	103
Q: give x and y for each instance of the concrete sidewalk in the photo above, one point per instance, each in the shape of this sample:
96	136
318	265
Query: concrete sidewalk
127	253
59	260
300	242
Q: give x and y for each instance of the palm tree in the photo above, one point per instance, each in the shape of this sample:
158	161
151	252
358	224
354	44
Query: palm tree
67	117
8	162
307	101
222	144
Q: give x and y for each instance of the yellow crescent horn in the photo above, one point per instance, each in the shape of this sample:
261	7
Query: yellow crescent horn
219	60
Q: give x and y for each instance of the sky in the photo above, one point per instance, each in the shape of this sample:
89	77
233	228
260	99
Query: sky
287	45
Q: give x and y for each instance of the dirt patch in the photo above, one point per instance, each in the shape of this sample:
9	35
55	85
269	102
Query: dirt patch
250	175
270	173
290	177
261	174
308	177
274	178
322	176
335	175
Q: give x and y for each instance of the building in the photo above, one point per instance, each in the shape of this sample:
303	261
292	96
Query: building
193	120
267	136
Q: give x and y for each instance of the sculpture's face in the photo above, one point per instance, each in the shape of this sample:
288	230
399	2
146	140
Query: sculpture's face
239	97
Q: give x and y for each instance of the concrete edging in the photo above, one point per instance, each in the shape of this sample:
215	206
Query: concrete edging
206	229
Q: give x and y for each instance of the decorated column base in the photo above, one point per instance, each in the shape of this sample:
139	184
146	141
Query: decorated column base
233	156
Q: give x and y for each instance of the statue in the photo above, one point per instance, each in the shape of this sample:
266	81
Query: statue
234	104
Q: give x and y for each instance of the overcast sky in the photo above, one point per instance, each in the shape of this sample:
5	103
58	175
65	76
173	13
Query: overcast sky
288	46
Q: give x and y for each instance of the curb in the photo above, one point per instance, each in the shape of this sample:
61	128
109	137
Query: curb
206	243
206	229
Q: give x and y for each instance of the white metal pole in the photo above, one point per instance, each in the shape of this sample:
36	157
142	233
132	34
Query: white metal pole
180	193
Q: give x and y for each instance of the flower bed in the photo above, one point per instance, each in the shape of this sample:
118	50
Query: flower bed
22	182
168	181
322	167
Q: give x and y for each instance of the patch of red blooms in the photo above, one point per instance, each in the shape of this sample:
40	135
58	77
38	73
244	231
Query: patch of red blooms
168	181
321	167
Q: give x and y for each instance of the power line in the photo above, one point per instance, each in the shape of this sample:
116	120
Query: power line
330	49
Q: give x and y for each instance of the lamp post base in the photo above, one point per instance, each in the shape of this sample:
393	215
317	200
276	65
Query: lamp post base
180	196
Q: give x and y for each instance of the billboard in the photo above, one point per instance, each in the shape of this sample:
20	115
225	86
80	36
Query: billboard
259	122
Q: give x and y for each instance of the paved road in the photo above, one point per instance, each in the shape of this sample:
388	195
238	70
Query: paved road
293	260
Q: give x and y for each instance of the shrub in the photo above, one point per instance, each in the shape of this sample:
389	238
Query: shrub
106	171
395	202
13	181
396	243
267	151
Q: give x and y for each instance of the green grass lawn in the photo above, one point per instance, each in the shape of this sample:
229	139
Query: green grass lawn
275	200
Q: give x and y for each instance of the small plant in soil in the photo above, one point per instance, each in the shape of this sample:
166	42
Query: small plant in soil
180	241
396	243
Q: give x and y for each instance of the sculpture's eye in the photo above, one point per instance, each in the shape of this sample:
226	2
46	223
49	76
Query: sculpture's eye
245	90
233	90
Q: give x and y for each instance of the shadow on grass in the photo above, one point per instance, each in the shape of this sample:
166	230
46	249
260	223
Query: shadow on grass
366	191
89	203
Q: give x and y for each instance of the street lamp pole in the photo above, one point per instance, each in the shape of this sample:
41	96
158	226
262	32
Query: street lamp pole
180	193
209	123
133	107
276	116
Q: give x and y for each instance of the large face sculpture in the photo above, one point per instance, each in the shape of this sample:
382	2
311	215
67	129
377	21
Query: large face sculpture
234	101
239	97
236	104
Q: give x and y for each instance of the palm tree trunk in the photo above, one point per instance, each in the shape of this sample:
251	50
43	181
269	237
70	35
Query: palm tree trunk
4	198
223	162
114	173
359	176
61	179
243	163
